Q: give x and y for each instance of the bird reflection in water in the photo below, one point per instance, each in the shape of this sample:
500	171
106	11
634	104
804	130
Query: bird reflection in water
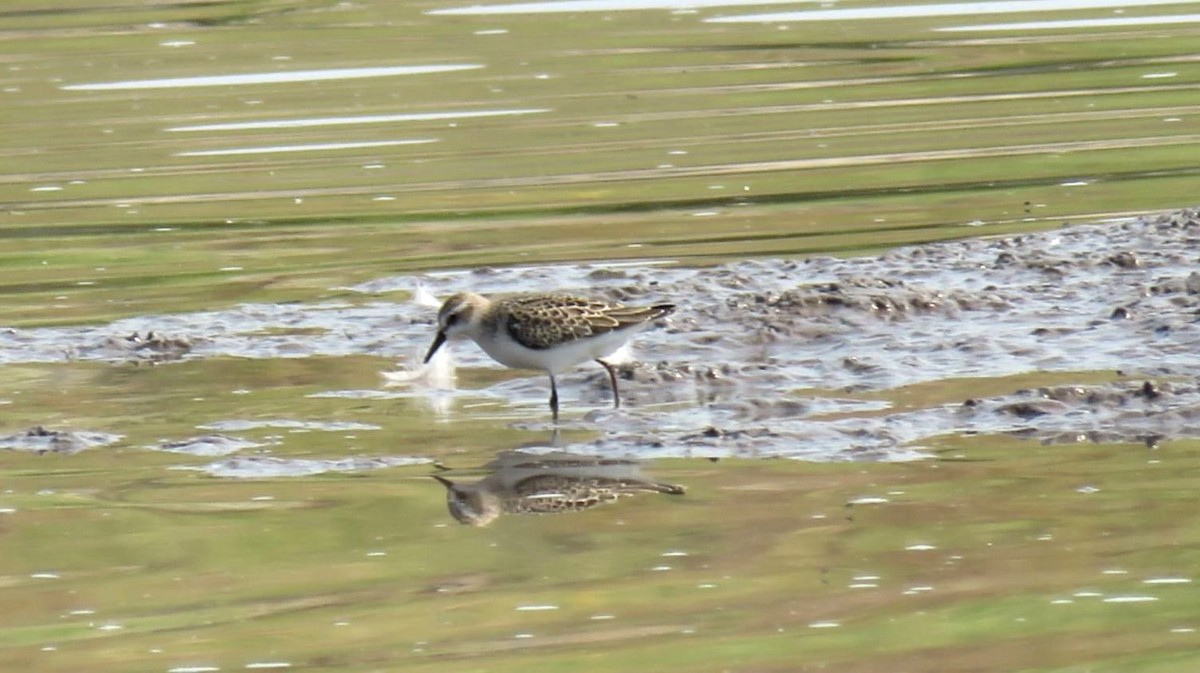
552	483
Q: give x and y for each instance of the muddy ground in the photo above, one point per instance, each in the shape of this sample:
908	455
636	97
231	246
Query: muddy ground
780	357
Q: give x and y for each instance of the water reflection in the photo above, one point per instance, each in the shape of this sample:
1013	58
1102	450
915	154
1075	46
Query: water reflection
572	6
359	119
1117	22
944	9
267	77
551	483
313	147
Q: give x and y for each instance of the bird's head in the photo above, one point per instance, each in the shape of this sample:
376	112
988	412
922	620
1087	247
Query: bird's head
469	504
457	316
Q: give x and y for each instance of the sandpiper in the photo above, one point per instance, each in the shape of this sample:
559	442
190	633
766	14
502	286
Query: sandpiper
550	332
551	483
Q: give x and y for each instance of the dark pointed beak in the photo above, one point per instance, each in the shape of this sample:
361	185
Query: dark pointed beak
437	343
445	482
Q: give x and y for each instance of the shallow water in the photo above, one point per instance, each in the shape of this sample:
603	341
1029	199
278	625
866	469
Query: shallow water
195	156
224	224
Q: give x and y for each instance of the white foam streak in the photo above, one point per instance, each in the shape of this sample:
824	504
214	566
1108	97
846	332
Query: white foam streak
346	121
315	147
266	77
945	9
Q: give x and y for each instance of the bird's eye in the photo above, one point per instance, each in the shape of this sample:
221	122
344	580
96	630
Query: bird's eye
451	319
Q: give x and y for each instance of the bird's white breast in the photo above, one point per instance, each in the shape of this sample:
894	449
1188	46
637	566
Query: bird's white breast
503	349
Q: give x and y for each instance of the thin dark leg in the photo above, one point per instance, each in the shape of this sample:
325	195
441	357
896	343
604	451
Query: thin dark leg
553	398
612	376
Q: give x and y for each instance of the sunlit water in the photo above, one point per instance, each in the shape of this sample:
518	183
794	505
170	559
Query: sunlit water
281	77
225	225
956	9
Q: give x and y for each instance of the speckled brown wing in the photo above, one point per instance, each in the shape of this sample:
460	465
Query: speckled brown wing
543	321
553	493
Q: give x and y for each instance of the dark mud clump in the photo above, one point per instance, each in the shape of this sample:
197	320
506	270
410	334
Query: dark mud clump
150	347
41	440
1131	411
206	445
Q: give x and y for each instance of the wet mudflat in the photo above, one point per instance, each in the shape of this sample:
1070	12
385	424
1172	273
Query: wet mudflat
820	358
853	448
996	469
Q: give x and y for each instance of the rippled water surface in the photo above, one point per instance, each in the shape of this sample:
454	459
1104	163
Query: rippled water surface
868	445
